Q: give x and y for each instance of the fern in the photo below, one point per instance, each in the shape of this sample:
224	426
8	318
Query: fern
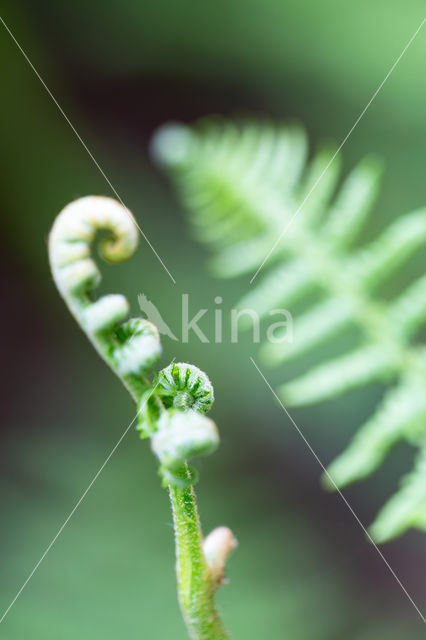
171	408
241	184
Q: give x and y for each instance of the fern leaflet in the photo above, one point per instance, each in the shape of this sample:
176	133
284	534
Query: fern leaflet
241	184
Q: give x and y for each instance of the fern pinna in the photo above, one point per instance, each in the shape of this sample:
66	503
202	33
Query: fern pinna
242	184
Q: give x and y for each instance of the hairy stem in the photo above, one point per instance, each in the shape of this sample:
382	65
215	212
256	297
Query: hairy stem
196	585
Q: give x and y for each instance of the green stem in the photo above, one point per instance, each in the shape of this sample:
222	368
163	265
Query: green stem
196	587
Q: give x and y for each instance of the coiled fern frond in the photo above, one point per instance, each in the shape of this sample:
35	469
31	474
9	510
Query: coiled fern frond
130	346
242	184
171	407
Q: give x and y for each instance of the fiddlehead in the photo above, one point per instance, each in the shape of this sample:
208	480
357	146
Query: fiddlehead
184	386
177	425
171	408
129	347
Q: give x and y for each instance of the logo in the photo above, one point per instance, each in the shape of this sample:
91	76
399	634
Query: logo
225	328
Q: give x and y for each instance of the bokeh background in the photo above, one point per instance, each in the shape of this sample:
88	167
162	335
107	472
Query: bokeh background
304	569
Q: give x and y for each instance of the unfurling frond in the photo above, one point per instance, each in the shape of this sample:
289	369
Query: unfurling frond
170	408
246	185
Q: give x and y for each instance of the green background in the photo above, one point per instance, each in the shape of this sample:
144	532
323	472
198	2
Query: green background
304	569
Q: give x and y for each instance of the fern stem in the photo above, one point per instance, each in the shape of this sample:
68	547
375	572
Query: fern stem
196	584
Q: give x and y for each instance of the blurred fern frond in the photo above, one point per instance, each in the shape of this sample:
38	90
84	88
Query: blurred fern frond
242	184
